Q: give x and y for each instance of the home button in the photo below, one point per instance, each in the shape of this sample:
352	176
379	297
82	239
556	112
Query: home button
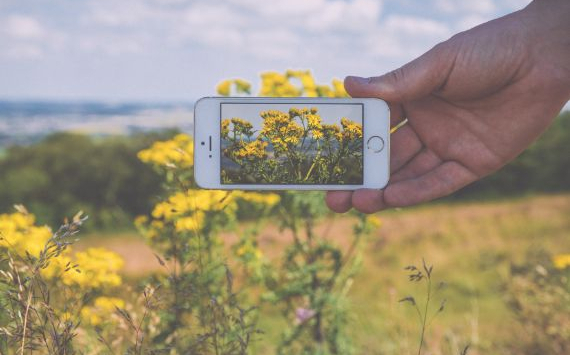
375	143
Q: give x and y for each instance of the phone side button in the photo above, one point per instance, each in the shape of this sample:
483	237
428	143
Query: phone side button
375	143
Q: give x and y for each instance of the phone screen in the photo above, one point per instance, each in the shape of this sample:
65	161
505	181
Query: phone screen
291	144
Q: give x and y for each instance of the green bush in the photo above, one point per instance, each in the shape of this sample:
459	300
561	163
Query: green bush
69	172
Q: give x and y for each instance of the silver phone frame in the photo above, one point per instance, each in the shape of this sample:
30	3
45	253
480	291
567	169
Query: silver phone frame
376	122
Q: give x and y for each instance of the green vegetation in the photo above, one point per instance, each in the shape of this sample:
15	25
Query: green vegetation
66	173
293	279
490	256
544	167
102	176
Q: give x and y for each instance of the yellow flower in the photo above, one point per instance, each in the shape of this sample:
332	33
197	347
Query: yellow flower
242	126
225	128
374	221
352	130
561	261
255	149
98	268
307	81
19	233
338	88
249	250
274	84
242	87
141	221
178	151
267	199
224	87
331	131
280	128
186	210
324	91
317	134
190	223
101	311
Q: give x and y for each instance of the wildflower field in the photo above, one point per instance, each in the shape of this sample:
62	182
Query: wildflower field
218	272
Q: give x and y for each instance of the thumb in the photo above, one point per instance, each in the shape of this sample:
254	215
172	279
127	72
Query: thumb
414	80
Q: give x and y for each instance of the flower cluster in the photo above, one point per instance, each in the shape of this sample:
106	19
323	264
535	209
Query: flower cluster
254	149
281	130
275	84
294	146
352	130
187	210
265	200
241	86
19	233
96	268
101	311
179	151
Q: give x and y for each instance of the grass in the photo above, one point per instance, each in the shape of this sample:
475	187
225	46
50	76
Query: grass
471	246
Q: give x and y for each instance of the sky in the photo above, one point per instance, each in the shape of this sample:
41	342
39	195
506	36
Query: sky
178	50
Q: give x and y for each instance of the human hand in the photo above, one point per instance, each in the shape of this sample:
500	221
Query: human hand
473	103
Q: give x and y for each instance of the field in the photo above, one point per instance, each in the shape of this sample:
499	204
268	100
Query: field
206	271
471	245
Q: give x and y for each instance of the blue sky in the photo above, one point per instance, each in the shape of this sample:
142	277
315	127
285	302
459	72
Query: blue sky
178	50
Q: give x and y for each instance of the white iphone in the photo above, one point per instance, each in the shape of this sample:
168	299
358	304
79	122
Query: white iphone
291	143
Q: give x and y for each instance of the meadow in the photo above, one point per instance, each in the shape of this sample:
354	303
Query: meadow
473	246
162	267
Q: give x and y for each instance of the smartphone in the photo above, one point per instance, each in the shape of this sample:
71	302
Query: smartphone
291	143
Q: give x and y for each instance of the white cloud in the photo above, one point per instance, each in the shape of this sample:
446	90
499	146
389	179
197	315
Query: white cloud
471	21
286	9
211	38
465	6
514	5
23	27
24	37
119	13
403	37
415	26
357	15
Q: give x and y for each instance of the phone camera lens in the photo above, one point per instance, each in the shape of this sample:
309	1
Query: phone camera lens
210	155
203	143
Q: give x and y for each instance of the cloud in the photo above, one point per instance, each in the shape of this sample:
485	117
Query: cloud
25	37
471	21
204	39
23	27
403	37
453	6
415	26
513	5
122	13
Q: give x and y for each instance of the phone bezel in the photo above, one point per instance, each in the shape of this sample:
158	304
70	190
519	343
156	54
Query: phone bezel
207	120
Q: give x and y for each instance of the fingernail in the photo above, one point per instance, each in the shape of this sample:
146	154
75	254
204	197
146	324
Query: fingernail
361	80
